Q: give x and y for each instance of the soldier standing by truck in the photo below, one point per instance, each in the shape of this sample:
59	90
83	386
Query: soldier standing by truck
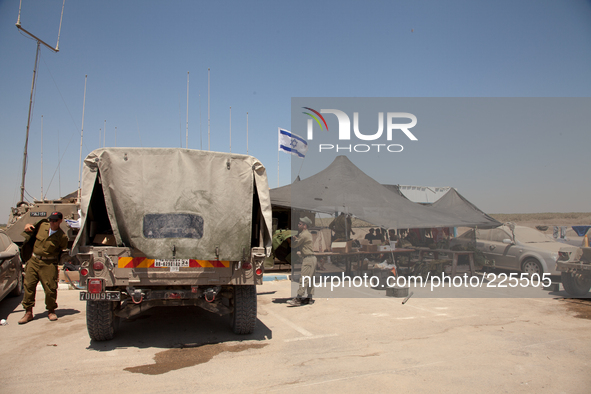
304	242
49	242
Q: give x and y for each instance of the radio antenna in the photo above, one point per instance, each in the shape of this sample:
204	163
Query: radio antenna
56	49
57	45
187	134
18	25
81	136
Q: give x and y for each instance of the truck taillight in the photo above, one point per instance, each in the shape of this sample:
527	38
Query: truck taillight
246	266
98	266
259	271
95	285
84	272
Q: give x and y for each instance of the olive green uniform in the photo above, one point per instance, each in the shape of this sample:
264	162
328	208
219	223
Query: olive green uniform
42	266
341	227
305	243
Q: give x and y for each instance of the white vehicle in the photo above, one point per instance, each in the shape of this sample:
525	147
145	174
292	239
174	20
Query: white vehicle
517	248
11	268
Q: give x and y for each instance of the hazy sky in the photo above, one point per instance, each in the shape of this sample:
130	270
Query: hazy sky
261	54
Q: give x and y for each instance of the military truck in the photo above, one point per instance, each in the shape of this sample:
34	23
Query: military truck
171	227
575	272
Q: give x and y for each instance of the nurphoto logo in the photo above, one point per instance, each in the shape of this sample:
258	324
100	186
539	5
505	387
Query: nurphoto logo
392	120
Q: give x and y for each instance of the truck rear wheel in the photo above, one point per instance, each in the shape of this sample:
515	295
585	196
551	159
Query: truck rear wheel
576	284
244	316
101	321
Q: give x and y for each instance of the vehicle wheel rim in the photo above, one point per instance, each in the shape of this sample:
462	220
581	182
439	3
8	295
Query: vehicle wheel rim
531	268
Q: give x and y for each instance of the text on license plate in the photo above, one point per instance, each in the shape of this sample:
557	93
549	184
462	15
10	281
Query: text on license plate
171	263
104	296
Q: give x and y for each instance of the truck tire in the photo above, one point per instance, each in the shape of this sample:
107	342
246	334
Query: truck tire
244	317
101	321
576	285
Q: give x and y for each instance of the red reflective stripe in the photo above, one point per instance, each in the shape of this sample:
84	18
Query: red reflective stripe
134	262
143	262
208	263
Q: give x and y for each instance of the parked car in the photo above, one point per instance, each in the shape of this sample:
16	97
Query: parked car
517	248
11	272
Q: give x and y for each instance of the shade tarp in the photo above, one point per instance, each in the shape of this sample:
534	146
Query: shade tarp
454	204
343	187
153	195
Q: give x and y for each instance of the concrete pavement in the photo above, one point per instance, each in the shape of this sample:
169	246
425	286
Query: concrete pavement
336	345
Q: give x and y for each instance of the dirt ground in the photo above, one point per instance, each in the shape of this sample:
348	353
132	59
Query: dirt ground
580	306
344	345
547	219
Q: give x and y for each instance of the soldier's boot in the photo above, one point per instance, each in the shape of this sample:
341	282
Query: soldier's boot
295	302
51	315
27	317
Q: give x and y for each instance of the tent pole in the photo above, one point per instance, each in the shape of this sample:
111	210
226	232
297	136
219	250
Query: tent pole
301	165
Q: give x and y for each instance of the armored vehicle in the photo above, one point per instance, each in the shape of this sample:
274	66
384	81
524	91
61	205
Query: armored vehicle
169	226
25	213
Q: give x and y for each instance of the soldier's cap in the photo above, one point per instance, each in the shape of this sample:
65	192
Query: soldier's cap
56	216
306	221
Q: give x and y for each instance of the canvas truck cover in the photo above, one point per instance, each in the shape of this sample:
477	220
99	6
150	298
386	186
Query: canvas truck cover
178	203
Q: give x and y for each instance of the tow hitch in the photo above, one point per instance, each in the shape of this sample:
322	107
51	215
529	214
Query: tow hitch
211	293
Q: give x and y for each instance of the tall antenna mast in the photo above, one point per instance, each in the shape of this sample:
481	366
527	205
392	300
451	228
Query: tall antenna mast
39	42
81	135
29	126
180	125
230	129
187	138
59	31
247	133
208	116
59	160
41	158
278	151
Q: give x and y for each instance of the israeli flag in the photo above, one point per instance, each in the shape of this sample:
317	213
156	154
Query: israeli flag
292	143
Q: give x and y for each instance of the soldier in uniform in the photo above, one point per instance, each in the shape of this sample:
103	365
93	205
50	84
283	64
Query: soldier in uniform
49	242
342	228
305	244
